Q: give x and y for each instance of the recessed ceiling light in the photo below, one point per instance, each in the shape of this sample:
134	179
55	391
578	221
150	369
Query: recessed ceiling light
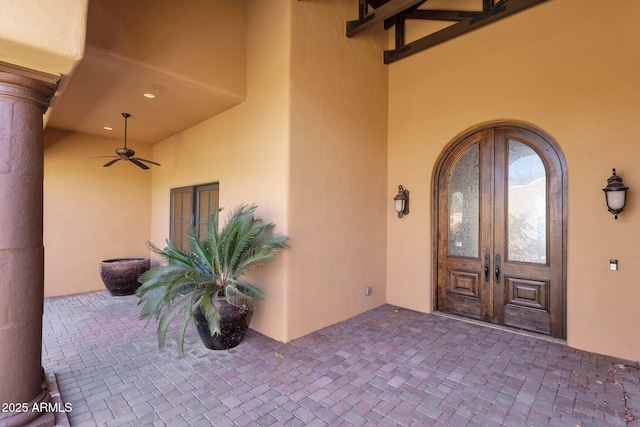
149	95
108	128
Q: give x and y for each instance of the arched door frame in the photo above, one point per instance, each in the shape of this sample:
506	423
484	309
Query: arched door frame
438	170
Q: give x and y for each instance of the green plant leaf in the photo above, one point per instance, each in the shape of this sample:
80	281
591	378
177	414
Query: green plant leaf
186	317
242	293
210	310
173	308
152	302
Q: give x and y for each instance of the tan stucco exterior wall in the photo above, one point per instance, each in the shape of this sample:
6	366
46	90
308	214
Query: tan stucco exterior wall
91	213
43	35
569	71
245	149
338	167
309	146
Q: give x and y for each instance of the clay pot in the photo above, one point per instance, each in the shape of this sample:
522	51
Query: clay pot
234	322
120	275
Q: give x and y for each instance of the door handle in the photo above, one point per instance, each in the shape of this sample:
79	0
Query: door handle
497	270
486	266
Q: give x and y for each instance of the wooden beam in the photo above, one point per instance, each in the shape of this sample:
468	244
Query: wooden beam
508	7
387	10
399	31
439	15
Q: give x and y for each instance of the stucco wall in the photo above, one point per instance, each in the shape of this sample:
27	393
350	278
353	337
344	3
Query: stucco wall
566	67
43	35
338	167
245	149
91	213
153	33
309	146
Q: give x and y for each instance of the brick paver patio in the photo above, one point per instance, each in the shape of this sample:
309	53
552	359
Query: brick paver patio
387	367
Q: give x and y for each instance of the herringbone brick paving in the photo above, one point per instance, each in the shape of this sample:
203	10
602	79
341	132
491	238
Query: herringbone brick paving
387	367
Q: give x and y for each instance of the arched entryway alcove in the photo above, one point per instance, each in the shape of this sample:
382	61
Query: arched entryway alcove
501	224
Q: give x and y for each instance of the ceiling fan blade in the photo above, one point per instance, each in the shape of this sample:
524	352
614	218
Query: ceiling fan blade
145	160
111	162
137	163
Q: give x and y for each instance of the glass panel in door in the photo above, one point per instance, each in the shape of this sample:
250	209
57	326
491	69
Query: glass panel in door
527	205
464	204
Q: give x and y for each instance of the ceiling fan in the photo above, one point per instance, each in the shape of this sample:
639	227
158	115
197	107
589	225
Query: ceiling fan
125	153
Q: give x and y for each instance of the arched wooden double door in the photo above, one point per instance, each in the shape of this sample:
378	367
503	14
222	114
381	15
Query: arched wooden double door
501	227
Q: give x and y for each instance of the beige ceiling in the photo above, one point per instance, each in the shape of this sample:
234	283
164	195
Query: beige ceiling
191	55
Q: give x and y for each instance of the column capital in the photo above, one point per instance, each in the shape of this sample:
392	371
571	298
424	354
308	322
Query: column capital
27	84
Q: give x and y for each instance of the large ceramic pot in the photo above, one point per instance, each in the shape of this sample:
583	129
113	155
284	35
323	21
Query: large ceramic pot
120	275
234	322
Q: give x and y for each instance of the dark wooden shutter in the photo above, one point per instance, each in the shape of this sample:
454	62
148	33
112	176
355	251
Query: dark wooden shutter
207	201
181	215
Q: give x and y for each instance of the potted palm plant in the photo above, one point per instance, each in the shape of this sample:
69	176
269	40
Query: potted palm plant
205	285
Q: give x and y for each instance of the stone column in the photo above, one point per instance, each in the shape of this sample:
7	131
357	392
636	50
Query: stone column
24	96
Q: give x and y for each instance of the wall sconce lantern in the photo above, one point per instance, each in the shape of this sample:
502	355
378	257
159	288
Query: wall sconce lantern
616	194
401	202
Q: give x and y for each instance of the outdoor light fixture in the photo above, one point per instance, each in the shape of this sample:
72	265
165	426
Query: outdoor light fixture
616	194
401	202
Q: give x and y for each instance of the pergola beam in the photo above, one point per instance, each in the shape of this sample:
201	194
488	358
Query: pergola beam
438	15
386	11
500	10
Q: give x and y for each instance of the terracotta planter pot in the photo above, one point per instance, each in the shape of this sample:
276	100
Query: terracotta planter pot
120	275
234	322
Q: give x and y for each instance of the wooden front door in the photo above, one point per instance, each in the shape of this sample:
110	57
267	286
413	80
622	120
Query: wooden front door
501	220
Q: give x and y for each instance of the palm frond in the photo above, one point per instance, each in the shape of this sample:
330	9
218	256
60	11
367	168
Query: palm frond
173	308
211	312
211	241
152	303
244	294
172	253
200	255
247	242
186	317
244	241
175	280
228	238
263	253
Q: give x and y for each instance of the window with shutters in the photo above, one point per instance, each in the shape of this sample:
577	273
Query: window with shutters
191	208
